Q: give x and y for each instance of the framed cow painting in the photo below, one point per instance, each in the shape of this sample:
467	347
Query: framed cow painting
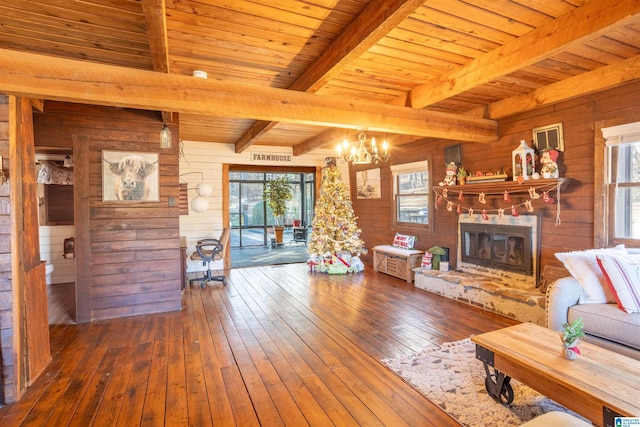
130	177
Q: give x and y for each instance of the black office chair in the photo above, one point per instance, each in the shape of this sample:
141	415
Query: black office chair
209	250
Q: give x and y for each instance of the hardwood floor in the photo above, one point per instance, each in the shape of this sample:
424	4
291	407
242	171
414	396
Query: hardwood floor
61	299
278	346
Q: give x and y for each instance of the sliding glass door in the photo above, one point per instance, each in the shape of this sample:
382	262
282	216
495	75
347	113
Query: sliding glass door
251	219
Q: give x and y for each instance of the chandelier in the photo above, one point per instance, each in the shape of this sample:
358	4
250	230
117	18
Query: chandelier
360	155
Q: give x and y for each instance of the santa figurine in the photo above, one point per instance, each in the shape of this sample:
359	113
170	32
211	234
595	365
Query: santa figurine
450	176
549	166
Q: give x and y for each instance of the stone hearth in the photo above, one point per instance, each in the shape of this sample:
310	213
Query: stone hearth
491	294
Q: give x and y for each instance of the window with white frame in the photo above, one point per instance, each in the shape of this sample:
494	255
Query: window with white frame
411	193
622	185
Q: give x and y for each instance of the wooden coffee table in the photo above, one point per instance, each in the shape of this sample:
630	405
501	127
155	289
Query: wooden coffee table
599	385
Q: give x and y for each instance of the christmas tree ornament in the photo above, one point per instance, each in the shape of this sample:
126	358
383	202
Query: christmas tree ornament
506	197
460	196
449	206
514	211
445	192
533	194
481	198
546	198
500	213
470	212
484	215
439	201
459	209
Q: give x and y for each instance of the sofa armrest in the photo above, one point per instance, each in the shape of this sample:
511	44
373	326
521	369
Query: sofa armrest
561	294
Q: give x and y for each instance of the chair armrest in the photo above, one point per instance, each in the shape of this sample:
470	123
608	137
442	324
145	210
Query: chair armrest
561	294
203	242
209	248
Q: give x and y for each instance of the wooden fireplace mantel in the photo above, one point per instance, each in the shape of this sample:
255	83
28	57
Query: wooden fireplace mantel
494	188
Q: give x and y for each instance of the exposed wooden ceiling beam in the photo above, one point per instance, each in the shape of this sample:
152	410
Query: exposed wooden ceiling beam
155	19
324	139
584	84
376	20
32	75
587	21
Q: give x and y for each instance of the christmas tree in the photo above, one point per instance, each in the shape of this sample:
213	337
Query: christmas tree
335	243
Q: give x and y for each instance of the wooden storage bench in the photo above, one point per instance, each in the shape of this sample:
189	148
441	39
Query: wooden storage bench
396	261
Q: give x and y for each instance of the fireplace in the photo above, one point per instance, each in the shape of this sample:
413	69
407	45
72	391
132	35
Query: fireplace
503	247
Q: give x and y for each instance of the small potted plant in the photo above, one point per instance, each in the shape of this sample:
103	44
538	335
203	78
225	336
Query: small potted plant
277	193
462	175
570	335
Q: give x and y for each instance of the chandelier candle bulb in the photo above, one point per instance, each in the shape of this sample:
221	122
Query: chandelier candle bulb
358	153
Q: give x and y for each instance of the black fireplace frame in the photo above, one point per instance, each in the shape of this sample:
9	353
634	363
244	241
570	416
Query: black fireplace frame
473	246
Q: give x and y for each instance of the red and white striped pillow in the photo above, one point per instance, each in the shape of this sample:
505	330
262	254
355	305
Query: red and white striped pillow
623	278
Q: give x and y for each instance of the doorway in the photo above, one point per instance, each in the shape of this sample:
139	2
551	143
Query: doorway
252	221
56	229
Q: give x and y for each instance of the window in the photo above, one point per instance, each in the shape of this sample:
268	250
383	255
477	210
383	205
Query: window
411	191
622	183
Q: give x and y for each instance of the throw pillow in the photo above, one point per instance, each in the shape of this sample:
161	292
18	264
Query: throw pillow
623	277
584	267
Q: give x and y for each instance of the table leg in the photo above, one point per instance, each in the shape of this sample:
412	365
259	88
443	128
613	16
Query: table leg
497	383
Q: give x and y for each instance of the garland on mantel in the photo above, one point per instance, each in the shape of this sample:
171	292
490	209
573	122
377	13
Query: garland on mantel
455	198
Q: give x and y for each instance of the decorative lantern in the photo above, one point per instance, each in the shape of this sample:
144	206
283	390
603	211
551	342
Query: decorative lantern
522	159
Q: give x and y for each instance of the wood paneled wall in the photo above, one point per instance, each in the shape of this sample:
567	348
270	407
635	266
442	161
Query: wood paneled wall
6	300
577	162
24	330
133	262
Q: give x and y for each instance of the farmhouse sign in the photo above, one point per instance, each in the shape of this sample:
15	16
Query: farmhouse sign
279	158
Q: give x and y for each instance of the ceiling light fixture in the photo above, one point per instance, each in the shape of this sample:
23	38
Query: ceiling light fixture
359	155
165	137
199	74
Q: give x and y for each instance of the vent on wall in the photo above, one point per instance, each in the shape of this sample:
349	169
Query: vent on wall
549	137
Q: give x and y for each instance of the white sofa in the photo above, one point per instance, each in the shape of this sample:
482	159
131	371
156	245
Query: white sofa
605	324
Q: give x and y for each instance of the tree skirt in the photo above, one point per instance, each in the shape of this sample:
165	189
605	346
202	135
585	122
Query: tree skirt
453	378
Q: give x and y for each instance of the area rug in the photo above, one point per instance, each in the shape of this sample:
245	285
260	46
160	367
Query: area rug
452	377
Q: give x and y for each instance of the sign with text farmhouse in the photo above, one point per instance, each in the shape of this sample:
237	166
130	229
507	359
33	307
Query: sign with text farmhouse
272	158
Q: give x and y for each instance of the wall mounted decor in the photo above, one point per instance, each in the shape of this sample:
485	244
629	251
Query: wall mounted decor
368	184
549	137
453	154
129	176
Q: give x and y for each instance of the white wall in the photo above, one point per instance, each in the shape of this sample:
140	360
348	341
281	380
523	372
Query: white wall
52	249
208	158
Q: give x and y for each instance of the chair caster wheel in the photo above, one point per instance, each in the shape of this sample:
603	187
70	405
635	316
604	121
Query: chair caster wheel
203	285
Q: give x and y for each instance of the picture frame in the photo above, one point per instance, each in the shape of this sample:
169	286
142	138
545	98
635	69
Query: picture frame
368	184
550	137
453	154
130	176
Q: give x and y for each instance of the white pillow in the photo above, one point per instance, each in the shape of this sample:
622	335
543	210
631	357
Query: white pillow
583	266
623	277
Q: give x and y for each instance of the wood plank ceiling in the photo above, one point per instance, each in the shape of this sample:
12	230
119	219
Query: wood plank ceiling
483	59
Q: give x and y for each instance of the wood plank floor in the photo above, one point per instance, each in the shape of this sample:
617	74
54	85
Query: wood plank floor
278	346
